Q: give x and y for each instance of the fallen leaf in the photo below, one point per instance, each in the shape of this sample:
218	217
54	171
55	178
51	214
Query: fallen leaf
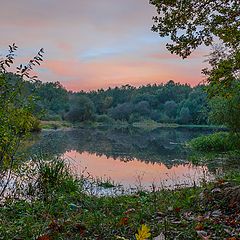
143	233
221	181
44	237
160	237
54	226
123	221
81	228
199	227
177	210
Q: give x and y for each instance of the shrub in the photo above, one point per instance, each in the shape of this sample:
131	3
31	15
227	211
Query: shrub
219	142
36	125
82	109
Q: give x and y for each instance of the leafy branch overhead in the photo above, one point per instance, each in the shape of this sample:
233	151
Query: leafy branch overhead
21	70
190	23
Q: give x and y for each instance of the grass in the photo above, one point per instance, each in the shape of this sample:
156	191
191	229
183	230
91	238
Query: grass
105	183
55	125
62	210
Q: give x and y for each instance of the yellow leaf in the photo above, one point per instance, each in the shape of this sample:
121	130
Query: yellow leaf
143	233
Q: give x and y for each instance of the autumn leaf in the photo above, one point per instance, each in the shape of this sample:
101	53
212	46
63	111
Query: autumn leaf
44	237
143	233
177	209
81	228
123	221
199	227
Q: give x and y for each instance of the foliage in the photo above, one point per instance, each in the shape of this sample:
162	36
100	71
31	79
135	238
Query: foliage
52	98
16	118
219	142
224	75
143	233
226	111
16	109
184	115
71	214
53	175
161	103
192	23
82	109
104	118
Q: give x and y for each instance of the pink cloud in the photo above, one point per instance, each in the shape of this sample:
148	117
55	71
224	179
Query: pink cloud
115	34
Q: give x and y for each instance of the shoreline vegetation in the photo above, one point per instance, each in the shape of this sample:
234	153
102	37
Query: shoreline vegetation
147	124
47	202
57	206
54	205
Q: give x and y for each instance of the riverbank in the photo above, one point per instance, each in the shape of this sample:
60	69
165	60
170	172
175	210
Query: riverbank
207	212
146	125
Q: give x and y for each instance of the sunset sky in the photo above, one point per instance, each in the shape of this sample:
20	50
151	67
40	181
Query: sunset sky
92	44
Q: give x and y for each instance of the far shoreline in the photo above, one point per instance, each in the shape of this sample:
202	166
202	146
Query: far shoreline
145	125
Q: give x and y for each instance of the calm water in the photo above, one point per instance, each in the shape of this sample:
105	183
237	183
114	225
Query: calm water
130	157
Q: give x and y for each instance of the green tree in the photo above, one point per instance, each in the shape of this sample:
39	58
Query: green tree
226	111
191	23
170	108
16	112
52	98
81	109
184	116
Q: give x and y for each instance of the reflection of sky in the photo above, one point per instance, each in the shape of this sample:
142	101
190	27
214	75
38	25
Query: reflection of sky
136	172
92	44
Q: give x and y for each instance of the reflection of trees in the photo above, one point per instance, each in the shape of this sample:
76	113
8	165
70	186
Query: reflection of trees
159	145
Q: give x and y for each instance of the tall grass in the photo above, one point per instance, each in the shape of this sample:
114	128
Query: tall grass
54	176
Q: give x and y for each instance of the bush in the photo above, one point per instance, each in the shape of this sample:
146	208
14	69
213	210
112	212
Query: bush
219	142
82	109
36	126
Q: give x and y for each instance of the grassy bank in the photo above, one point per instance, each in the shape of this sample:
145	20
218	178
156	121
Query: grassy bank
58	208
55	125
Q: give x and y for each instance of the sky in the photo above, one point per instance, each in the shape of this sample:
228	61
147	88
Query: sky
92	44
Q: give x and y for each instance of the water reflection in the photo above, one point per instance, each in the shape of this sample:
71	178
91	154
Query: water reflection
128	156
136	173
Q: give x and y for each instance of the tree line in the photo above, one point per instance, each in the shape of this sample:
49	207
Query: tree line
164	103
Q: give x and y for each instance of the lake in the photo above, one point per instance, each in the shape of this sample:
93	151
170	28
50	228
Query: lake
129	157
